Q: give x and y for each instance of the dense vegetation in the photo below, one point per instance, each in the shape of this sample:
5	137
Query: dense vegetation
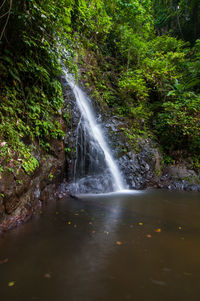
140	58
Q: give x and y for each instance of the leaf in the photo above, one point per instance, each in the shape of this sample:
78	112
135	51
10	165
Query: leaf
192	83
14	75
158	230
119	243
11	283
171	93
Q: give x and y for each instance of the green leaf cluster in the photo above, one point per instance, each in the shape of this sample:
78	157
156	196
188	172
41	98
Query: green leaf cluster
31	94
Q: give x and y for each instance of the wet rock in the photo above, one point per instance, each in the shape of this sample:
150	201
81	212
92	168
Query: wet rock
139	167
21	194
140	161
2	209
7	183
70	139
179	177
181	172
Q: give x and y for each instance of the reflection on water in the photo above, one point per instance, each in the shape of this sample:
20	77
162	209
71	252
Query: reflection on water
119	246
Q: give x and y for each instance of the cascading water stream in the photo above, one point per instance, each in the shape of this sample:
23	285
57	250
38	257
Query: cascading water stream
98	147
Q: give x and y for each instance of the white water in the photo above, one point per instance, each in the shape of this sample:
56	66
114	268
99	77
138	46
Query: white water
95	130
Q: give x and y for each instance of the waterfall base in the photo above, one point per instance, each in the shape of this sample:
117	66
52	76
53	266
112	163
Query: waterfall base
92	184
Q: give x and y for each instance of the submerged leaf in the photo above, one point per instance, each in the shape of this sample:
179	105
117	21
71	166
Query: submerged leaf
11	283
119	243
158	230
187	274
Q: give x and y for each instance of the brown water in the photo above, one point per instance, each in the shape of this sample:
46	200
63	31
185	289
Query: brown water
141	246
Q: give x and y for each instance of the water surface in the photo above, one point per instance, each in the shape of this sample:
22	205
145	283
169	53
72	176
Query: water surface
139	246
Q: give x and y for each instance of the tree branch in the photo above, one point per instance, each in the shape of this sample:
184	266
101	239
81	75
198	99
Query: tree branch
4	14
2	4
9	11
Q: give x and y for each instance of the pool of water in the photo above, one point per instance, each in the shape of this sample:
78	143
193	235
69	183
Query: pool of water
124	246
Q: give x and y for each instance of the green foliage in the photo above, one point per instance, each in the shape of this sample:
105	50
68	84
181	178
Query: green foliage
30	163
179	124
181	17
67	117
135	135
31	95
51	176
91	22
132	85
153	80
167	160
15	154
196	162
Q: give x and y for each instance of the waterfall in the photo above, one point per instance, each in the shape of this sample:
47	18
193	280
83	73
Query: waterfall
95	167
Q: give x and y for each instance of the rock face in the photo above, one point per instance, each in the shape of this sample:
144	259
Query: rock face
180	177
70	139
142	164
140	168
21	194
